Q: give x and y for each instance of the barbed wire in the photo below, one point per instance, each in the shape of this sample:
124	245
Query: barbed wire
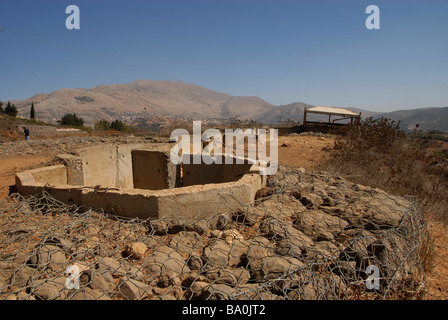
310	236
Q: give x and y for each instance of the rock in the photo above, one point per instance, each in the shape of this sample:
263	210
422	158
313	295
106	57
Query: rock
134	271
220	222
256	254
175	291
49	256
135	250
219	254
277	266
200	226
292	247
111	265
231	236
20	278
159	227
264	193
276	229
196	289
164	264
317	224
216	292
132	289
277	206
3	285
89	294
229	276
195	261
311	200
185	242
165	297
23	295
49	289
254	291
346	269
216	234
102	281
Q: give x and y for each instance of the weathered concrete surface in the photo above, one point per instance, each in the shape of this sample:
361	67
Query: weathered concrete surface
153	170
132	181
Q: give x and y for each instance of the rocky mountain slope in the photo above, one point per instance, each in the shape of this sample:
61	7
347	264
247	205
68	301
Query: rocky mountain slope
176	99
143	98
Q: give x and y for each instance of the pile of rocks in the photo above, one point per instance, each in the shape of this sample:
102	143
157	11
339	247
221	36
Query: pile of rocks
313	237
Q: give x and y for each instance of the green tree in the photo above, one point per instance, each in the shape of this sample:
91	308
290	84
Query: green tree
32	112
118	125
72	120
2	111
102	125
11	110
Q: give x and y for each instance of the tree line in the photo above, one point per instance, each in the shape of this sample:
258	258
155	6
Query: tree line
11	110
69	119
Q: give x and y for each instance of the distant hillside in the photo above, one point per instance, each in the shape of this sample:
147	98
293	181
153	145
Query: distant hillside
426	118
136	100
293	111
166	98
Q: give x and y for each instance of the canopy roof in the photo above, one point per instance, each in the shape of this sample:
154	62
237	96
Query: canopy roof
333	111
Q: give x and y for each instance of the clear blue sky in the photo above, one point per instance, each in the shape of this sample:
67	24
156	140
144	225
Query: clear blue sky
318	52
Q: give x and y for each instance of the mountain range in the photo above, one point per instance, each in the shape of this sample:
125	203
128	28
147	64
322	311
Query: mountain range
145	98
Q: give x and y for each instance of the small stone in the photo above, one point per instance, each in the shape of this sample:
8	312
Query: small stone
132	289
136	250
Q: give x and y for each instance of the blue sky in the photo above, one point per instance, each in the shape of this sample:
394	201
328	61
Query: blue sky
315	51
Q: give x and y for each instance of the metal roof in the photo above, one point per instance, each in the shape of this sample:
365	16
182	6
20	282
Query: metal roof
332	111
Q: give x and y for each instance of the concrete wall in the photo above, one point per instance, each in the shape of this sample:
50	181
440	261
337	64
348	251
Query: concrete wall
108	165
150	170
124	203
55	175
207	195
200	174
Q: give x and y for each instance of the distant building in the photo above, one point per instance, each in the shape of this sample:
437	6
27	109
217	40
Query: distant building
343	117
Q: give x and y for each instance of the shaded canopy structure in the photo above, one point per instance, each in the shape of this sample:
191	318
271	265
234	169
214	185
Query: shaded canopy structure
342	116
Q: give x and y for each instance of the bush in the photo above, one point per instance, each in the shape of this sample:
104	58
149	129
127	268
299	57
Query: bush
102	125
118	125
72	120
377	153
11	110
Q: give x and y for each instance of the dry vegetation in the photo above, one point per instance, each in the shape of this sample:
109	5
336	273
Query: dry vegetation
378	154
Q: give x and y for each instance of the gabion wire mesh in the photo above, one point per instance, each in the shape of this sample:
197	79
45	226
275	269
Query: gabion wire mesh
308	236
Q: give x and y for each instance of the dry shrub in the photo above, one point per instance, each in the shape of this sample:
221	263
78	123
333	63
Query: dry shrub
377	153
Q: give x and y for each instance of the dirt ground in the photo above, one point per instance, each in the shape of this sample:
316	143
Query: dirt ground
304	151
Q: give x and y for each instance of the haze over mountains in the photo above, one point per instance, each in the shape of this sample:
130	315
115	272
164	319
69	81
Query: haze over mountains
177	99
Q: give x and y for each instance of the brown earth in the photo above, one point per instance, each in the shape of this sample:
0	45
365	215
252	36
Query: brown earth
306	151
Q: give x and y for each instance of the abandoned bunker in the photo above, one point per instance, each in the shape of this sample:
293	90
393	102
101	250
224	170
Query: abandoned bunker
140	181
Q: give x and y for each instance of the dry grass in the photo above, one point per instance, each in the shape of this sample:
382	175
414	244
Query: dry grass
378	154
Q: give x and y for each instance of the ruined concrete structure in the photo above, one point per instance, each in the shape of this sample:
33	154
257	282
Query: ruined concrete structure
139	180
